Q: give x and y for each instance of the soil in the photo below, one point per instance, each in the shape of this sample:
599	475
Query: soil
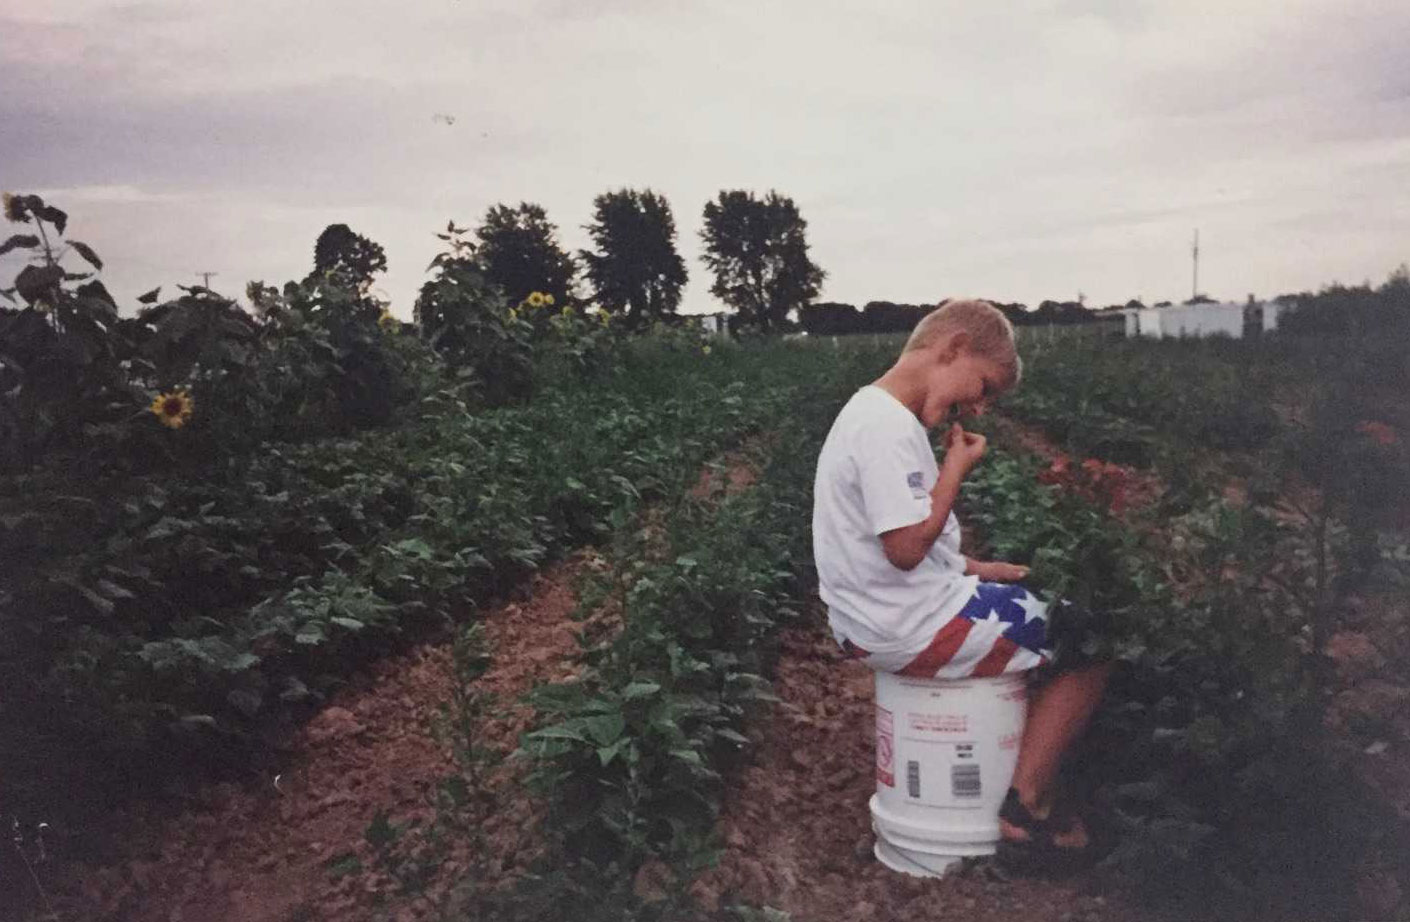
1143	488
299	850
797	828
795	825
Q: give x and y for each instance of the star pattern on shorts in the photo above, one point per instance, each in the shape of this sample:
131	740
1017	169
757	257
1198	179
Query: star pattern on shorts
1023	616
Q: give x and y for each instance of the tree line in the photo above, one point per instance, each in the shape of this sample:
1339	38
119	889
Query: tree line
755	246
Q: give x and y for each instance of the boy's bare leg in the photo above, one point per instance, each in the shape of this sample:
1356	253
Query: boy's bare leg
1057	715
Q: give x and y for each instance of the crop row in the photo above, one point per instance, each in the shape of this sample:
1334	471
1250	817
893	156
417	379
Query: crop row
179	615
634	755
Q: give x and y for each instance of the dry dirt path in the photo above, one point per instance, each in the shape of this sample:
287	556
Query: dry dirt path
299	852
797	829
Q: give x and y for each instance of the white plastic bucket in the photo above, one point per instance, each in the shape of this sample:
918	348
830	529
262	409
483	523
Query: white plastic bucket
945	755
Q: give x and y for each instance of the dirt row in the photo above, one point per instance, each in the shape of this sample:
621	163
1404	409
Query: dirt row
296	846
795	825
797	828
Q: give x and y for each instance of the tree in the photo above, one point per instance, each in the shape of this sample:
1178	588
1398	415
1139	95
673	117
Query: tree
636	272
339	286
339	250
830	318
759	254
519	253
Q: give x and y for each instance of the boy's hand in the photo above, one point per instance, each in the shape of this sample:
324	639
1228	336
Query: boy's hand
963	448
997	572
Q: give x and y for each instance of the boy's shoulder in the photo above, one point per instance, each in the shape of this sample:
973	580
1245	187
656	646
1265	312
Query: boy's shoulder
872	414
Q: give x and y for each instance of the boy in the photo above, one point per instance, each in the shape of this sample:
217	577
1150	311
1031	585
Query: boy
902	598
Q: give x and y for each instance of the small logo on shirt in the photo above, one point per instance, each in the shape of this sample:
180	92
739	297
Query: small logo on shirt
916	483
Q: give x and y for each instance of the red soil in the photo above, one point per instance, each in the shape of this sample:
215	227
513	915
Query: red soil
797	829
262	854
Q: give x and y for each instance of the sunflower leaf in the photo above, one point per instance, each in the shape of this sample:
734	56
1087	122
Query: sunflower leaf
19	240
87	253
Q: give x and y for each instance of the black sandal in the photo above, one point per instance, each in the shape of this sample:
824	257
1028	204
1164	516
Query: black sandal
1040	854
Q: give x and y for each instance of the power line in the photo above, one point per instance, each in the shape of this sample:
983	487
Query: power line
206	278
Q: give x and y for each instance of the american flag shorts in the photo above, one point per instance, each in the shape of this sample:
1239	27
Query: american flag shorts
1002	628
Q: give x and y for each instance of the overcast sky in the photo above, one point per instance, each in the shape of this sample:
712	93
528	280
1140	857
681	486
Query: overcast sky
1016	150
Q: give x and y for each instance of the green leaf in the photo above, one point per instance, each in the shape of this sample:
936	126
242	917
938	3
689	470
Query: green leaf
54	216
19	240
103	605
87	253
640	690
689	756
344	864
557	732
415	547
605	728
294	690
351	624
113	591
381	831
34	282
246	701
151	296
310	634
606	754
457	789
732	736
240	662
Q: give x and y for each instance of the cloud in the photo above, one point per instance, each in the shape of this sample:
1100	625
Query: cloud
1022	151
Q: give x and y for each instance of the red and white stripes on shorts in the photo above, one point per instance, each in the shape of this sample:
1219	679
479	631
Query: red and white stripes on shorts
1002	628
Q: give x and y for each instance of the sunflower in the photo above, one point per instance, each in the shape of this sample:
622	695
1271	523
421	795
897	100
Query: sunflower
548	299
534	299
174	408
387	322
705	349
14	209
513	314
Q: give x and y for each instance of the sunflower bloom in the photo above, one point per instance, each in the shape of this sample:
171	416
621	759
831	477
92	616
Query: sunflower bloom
548	299
705	349
387	322
174	408
535	299
14	207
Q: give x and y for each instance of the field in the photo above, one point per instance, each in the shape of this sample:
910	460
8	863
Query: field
561	656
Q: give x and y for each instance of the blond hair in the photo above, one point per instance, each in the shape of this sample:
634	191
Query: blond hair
990	332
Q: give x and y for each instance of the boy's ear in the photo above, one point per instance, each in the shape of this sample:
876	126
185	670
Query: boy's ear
952	345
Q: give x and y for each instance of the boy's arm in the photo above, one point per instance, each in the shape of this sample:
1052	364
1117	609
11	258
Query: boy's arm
994	571
906	547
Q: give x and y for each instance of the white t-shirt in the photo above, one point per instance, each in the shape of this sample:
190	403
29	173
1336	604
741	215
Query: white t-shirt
875	473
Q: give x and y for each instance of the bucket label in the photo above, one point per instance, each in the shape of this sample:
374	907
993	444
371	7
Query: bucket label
885	748
939	723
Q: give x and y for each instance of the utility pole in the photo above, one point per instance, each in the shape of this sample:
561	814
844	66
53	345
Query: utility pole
1194	253
206	279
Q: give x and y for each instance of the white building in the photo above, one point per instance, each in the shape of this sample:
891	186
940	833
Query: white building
1229	318
716	324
